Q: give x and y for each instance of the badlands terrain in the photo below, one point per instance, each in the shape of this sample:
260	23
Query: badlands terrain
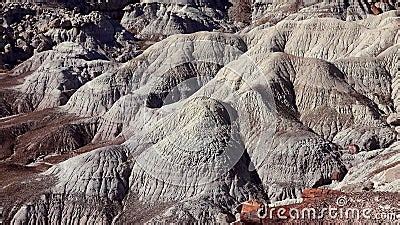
178	113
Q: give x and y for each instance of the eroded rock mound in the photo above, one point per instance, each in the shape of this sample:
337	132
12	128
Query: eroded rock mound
159	20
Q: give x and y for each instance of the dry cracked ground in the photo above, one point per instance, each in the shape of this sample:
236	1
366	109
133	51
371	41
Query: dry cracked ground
178	113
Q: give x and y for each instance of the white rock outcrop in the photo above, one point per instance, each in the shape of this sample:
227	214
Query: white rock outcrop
157	21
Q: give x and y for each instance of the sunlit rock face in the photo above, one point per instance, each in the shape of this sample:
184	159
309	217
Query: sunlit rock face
159	20
190	126
218	3
302	9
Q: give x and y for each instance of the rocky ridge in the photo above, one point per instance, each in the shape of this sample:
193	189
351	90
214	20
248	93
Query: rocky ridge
27	30
156	21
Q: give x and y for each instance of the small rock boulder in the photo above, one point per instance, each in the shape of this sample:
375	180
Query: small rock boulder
353	149
66	24
55	23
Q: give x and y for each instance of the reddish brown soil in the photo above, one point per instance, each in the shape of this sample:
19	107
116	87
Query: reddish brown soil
8	80
26	136
20	184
